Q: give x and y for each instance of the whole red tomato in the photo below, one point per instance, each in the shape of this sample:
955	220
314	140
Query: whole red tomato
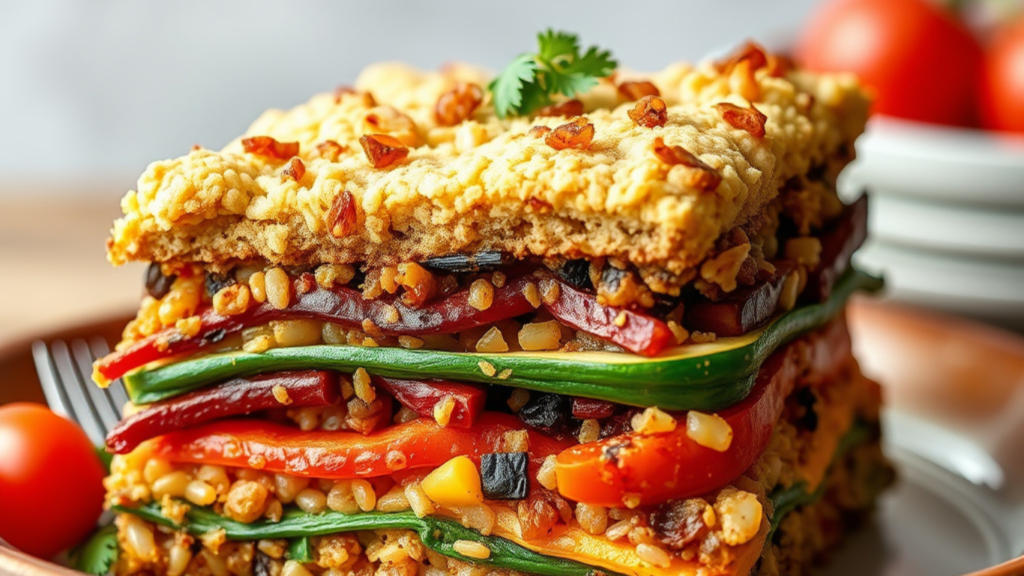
923	63
51	480
1002	84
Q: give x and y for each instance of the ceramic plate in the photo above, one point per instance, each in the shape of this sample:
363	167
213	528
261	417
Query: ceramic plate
954	427
934	162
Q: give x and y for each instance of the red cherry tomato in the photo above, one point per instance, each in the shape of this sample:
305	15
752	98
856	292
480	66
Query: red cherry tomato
51	480
1002	84
922	62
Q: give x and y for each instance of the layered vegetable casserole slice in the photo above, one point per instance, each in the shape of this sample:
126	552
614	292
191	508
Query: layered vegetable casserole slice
566	322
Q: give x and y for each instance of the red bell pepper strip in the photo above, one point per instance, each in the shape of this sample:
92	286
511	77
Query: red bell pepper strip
663	466
232	398
342	454
638	333
634	331
421	396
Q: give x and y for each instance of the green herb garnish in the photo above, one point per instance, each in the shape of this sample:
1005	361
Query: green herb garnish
557	67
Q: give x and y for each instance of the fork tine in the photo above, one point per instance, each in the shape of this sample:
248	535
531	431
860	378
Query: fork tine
116	391
50	380
80	405
101	401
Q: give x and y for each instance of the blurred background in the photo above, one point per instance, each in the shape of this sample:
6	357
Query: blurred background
90	93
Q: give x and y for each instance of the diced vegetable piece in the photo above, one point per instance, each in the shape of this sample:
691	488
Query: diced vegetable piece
838	244
547	412
232	398
454	483
421	396
644	469
742	310
345	454
584	408
634	331
504	475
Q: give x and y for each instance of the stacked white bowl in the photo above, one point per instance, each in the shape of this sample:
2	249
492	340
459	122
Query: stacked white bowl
946	218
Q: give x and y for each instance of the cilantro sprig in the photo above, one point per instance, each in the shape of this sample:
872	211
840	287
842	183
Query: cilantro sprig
558	67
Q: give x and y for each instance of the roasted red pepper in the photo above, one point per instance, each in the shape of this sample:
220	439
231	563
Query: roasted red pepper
632	330
232	398
337	455
421	396
653	468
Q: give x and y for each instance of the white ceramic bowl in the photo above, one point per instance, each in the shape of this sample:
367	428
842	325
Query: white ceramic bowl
947	216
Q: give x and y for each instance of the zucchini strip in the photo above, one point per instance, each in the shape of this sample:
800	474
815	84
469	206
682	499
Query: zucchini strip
705	377
437	534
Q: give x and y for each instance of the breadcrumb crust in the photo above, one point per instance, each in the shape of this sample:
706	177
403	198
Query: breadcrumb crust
487	184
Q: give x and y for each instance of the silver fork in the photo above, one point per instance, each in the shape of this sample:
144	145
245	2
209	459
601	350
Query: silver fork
65	373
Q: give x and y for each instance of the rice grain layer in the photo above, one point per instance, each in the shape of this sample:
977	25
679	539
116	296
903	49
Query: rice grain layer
489	184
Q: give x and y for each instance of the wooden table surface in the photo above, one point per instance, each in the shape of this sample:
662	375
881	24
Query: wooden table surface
53	267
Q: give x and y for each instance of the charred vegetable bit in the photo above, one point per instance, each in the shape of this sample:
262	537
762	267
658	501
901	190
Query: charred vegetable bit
157	284
422	396
461	263
577	273
837	246
548	412
742	310
232	398
438	534
504	475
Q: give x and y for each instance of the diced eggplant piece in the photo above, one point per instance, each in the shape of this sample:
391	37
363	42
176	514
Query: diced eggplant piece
577	273
157	284
504	475
742	310
547	412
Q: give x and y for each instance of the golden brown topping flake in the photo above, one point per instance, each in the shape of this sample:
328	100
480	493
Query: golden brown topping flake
458	104
705	178
750	119
342	215
637	90
538	131
295	170
330	150
270	148
342	91
650	111
569	108
382	150
577	134
750	52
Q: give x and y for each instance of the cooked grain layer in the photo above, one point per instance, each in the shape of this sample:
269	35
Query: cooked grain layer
488	184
